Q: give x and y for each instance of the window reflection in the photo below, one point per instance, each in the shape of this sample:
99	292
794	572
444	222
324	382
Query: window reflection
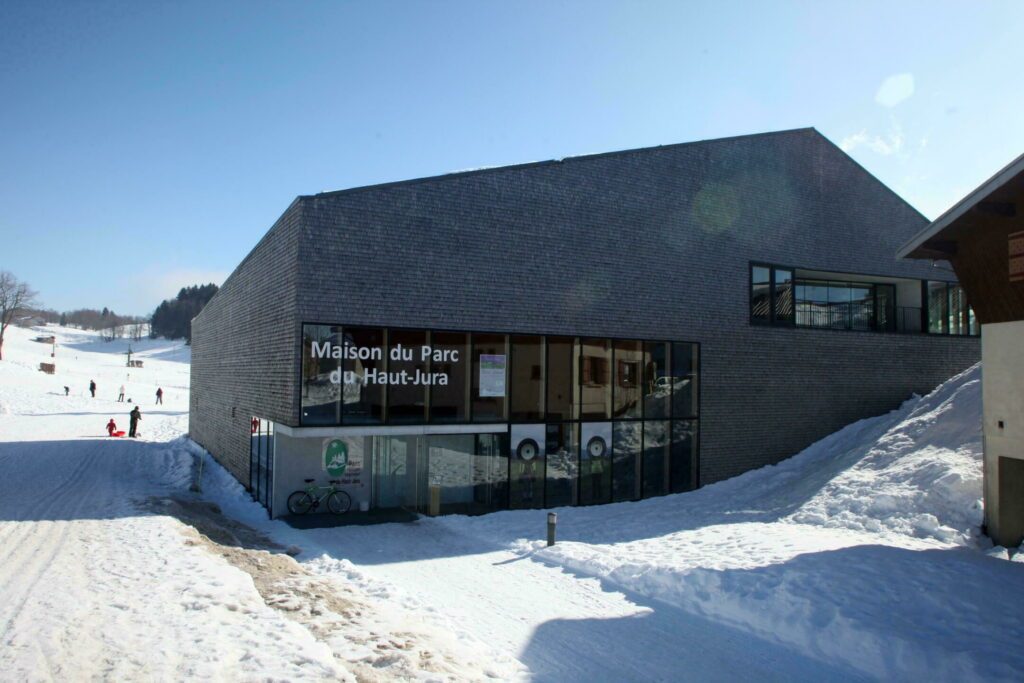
656	457
628	359
595	379
320	395
595	463
562	464
450	402
562	380
407	394
657	386
684	456
685	380
626	440
527	378
363	400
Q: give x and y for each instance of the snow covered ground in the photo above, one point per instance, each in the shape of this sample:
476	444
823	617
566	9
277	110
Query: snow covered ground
858	559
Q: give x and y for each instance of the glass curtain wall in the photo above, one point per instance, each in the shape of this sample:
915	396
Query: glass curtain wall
615	419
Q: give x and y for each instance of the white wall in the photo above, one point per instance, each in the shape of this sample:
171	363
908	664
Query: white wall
1002	356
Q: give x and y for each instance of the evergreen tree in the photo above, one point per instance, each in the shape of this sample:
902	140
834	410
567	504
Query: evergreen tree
173	317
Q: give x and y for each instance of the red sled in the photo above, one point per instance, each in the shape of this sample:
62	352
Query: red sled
118	434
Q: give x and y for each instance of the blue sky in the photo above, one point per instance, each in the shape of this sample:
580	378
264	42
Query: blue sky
149	145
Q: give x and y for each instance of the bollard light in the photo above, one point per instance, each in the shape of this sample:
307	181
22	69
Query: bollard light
552	521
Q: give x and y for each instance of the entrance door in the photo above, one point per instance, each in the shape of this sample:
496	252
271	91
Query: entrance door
399	472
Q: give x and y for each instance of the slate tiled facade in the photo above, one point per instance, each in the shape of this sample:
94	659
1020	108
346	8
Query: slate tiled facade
650	244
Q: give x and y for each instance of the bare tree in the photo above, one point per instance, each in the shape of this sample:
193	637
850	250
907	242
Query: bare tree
15	296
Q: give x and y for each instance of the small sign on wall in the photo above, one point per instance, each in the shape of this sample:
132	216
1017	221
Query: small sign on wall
1016	248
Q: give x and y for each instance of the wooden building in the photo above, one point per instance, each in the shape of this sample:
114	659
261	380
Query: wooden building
982	237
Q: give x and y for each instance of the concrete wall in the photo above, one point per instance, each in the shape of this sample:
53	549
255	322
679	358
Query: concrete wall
650	244
1002	351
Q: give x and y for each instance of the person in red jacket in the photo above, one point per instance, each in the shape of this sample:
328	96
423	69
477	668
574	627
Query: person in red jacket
111	427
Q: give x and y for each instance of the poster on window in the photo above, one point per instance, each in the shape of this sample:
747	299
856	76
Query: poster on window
492	374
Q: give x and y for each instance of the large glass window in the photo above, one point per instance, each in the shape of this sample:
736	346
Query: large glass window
683	468
626	443
595	379
321	386
628	369
656	458
450	402
363	399
657	386
407	393
527	378
490	375
562	381
686	377
562	464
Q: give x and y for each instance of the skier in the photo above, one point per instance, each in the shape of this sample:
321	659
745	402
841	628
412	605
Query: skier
159	395
133	423
111	427
120	396
92	388
67	391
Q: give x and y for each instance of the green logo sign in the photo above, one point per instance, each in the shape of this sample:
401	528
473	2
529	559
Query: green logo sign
335	457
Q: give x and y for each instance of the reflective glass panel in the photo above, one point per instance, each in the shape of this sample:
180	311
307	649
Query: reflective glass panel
562	384
626	443
684	455
320	361
451	460
685	379
657	387
628	362
526	466
838	305
490	472
490	375
595	462
527	378
783	295
760	293
885	309
407	392
862	307
938	308
595	379
562	464
450	402
362	393
656	457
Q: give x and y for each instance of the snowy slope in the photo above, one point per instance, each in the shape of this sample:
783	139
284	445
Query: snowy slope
858	559
103	574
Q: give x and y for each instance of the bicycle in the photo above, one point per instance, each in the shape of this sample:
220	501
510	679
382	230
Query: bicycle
301	502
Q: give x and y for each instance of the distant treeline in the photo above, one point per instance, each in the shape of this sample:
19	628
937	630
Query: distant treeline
173	318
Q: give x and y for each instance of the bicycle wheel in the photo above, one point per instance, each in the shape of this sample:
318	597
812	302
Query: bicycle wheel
299	503
339	502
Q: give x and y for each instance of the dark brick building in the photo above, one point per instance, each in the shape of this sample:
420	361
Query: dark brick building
609	327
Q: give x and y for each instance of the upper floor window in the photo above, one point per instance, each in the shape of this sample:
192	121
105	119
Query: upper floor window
771	294
818	299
